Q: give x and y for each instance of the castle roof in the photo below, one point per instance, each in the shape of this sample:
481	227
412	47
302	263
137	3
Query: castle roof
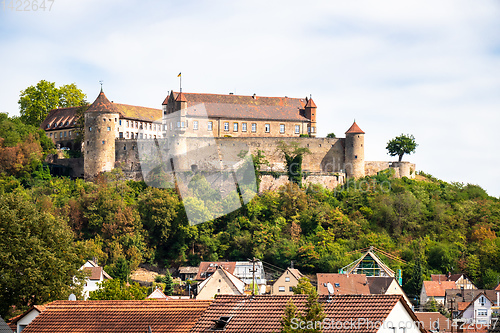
354	129
238	106
60	118
102	104
310	103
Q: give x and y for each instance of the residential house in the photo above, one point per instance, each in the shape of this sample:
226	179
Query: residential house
173	316
343	284
96	274
459	299
435	289
188	273
434	322
284	284
19	323
158	294
344	313
221	282
461	281
382	285
479	311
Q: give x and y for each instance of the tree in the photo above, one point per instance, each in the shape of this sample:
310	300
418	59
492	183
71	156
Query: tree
331	135
120	270
115	289
37	254
314	311
293	159
400	145
35	102
290	314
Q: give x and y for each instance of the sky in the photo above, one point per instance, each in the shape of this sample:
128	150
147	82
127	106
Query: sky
427	68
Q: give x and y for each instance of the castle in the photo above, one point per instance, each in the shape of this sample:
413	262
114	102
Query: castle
116	133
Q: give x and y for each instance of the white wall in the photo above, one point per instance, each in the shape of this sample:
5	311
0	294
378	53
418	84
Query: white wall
27	319
398	319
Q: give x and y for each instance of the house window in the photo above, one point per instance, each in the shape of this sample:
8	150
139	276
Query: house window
226	127
482	312
482	301
109	128
287	279
290	289
235	127
209	126
297	129
218	290
195	124
267	128
282	128
281	289
243	127
254	127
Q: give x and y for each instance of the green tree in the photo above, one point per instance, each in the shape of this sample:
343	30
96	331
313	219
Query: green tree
35	102
37	254
290	314
120	270
169	283
400	145
331	135
431	305
115	289
293	159
314	311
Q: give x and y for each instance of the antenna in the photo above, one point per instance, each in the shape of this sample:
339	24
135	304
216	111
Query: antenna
330	291
72	297
101	82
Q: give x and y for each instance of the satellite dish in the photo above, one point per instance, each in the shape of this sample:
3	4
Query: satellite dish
72	297
330	288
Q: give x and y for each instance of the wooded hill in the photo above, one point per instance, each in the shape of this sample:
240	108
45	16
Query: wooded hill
49	226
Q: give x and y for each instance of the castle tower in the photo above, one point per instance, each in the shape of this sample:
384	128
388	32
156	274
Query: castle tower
354	152
310	113
101	119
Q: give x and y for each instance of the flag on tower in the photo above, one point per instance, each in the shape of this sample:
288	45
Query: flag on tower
179	75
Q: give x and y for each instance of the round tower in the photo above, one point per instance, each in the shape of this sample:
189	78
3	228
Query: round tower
101	119
354	152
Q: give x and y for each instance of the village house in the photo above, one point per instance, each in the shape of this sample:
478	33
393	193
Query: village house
436	290
478	312
285	283
221	282
343	284
461	281
20	322
381	285
172	316
96	274
188	273
434	322
458	300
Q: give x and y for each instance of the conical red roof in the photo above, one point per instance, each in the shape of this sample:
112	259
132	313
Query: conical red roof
102	104
310	104
181	98
354	129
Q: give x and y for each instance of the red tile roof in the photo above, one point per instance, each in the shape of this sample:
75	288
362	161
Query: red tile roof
354	129
343	284
262	314
438	289
60	118
172	316
102	104
246	107
310	103
429	319
207	268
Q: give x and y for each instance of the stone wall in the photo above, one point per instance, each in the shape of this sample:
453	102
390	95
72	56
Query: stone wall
269	183
401	169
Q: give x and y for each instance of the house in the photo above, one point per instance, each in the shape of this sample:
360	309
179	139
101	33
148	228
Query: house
188	273
344	313
479	311
459	299
434	322
132	122
284	284
158	294
4	328
215	115
96	274
382	285
19	323
221	282
460	280
173	316
207	268
435	289
343	284
371	265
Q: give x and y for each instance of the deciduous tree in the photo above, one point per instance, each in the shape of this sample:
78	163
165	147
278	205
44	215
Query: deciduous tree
400	145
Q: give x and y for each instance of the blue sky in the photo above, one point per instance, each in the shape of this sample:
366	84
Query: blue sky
427	68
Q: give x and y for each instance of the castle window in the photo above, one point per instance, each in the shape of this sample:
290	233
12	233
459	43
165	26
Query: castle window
267	128
254	127
116	120
120	122
314	130
120	135
60	135
69	134
90	129
109	128
50	134
226	126
282	128
297	129
64	133
355	156
235	127
195	124
127	135
183	124
103	141
150	127
133	147
124	147
209	126
140	136
126	123
243	127
103	119
87	143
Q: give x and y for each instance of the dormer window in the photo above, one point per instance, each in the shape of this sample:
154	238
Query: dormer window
221	323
